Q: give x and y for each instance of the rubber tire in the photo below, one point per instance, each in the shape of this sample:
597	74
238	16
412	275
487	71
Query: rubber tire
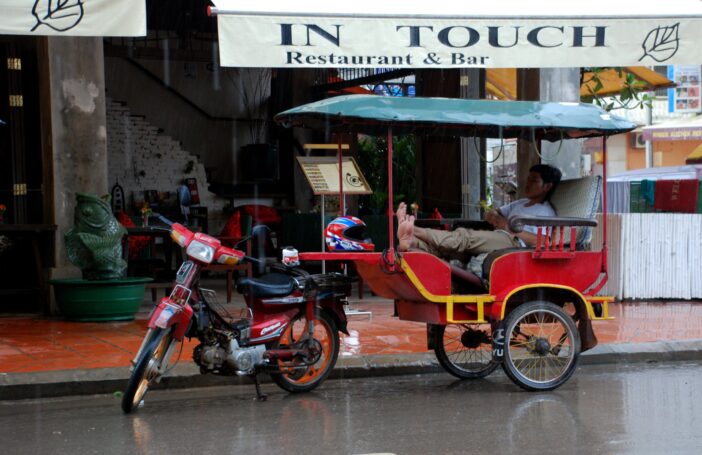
508	364
451	367
285	382
156	338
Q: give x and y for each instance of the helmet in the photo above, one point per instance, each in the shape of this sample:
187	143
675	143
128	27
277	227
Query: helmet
346	234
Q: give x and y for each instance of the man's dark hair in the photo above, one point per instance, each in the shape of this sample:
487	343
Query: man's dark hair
549	174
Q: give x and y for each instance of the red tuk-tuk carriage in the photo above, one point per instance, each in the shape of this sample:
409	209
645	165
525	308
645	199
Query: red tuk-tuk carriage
531	310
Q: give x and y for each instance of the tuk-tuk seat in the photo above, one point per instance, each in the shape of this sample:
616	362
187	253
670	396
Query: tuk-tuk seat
574	201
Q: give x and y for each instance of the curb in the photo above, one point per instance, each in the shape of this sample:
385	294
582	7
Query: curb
20	386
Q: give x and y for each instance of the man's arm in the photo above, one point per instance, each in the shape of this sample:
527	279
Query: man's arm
528	238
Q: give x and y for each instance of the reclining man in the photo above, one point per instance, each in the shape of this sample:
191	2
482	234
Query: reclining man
463	243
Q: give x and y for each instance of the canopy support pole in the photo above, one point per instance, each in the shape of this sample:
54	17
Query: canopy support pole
604	204
391	204
340	154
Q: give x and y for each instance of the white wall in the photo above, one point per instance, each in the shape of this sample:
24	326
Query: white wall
215	141
141	158
653	255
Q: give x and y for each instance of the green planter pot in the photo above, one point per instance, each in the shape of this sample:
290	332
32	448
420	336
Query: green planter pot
108	300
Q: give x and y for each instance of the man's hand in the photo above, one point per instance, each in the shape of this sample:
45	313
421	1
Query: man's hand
496	220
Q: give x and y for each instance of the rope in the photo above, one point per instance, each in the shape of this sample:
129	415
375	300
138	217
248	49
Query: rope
386	266
536	149
502	148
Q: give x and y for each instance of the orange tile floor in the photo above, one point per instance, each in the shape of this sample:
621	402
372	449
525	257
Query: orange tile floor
32	344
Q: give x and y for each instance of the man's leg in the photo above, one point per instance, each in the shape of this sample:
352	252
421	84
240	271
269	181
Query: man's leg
463	243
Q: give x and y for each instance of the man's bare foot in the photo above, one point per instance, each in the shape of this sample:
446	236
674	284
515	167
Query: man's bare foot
401	212
405	232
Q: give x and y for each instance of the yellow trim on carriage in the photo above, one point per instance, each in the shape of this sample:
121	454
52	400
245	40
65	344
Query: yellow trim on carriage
587	301
450	300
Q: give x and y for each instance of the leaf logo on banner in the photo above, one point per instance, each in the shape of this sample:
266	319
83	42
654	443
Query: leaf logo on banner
661	43
60	15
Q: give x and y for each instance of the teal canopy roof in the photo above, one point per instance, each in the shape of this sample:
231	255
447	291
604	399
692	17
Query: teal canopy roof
372	114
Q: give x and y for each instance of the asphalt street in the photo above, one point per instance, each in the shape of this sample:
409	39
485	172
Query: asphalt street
608	409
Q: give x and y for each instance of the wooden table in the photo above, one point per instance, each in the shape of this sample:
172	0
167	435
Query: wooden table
41	239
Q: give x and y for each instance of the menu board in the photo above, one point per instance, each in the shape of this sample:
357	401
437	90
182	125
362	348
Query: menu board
686	96
322	173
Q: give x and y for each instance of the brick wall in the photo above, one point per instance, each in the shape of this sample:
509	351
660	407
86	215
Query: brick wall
141	158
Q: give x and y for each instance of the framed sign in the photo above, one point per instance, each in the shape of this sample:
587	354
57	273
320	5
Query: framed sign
685	97
322	173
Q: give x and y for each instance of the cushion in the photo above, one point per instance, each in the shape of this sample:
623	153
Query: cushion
233	226
137	243
578	198
261	214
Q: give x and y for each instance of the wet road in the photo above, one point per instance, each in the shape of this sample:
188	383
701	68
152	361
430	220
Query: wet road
643	409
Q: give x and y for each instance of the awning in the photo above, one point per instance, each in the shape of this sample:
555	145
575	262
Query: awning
371	114
695	157
496	34
659	173
502	82
73	17
687	129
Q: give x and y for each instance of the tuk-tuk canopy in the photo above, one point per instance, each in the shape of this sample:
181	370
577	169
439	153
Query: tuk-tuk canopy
373	114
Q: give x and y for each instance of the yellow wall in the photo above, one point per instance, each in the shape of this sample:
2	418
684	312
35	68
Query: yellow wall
665	153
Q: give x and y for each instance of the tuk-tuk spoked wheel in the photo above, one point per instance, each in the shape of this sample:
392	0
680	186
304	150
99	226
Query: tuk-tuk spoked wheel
542	346
465	350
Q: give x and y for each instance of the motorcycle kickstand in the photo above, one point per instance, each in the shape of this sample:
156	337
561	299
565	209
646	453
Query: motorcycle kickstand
259	395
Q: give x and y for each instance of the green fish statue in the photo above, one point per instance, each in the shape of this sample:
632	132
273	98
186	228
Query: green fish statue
94	244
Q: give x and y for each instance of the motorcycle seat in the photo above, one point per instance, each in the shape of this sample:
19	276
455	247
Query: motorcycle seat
268	285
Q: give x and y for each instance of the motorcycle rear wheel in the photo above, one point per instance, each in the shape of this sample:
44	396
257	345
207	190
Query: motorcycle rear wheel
294	378
147	368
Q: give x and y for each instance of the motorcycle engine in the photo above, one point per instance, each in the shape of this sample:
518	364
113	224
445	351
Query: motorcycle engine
209	357
214	358
244	360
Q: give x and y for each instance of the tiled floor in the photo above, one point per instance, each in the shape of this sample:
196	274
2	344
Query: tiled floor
30	344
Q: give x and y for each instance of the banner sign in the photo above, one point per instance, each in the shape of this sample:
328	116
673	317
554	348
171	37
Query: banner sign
687	130
685	97
405	42
73	17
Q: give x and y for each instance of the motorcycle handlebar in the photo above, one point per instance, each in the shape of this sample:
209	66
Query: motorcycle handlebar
253	260
165	220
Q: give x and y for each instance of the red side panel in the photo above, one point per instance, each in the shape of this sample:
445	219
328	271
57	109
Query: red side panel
432	313
432	272
519	269
393	285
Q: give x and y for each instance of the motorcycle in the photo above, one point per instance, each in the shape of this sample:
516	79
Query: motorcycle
291	331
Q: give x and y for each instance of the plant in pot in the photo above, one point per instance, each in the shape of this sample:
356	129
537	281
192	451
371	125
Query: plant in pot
258	158
94	245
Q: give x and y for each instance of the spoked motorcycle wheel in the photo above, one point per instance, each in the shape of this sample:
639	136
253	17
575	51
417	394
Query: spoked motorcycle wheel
542	346
303	375
465	350
148	368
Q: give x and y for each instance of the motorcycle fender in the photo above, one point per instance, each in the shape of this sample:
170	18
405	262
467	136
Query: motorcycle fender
339	316
168	314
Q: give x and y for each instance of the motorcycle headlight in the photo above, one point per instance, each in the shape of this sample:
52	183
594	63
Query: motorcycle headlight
200	251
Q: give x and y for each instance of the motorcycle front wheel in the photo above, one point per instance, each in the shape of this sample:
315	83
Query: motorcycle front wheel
148	368
305	374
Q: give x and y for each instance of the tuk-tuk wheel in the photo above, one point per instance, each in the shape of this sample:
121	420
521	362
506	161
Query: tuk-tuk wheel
542	346
464	350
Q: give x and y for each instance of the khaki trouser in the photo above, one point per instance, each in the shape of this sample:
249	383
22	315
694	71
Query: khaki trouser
463	243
